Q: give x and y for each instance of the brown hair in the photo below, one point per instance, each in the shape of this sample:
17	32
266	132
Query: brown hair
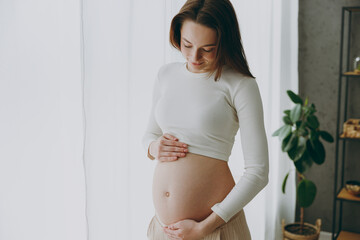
220	16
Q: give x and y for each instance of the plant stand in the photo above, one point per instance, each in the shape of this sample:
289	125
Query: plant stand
312	231
348	79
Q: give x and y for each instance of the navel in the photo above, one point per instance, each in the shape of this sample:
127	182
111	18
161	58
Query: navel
167	194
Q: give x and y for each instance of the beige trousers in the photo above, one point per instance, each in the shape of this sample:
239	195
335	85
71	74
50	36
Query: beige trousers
235	229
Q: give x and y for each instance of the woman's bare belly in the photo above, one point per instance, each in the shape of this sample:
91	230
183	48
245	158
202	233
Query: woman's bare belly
188	187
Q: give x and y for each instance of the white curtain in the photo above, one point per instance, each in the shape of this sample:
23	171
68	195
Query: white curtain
75	96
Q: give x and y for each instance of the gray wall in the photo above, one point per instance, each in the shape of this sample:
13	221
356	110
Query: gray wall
319	53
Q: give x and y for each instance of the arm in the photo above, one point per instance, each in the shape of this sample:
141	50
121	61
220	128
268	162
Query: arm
209	224
153	131
247	101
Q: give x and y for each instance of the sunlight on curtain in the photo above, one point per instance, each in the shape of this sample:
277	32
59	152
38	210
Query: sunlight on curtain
41	132
124	46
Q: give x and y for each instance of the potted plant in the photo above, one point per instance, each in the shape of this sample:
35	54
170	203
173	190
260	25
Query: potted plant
301	139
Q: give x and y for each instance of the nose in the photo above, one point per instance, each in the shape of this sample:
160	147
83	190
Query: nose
196	55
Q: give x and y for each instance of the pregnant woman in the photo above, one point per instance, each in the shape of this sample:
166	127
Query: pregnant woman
197	108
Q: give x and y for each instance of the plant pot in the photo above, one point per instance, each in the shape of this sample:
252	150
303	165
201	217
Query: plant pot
310	232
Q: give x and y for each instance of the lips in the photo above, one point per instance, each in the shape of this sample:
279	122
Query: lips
196	64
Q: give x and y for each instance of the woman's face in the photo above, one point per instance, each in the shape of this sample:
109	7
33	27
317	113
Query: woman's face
198	46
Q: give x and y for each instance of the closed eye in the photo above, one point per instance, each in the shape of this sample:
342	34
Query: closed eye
210	50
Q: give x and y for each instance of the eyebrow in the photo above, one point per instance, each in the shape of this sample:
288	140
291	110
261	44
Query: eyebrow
207	45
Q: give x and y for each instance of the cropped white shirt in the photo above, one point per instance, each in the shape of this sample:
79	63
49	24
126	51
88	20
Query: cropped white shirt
206	115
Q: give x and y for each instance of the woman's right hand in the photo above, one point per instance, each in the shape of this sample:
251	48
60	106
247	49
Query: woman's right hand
167	148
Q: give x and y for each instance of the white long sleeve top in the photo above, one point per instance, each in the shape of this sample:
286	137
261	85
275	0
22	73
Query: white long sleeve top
206	115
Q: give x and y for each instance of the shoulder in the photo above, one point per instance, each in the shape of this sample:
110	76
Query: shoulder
236	81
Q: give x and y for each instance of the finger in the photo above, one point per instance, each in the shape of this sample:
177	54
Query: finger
165	142
169	233
170	137
164	153
173	227
176	232
173	236
174	149
180	144
173	140
177	237
177	143
171	150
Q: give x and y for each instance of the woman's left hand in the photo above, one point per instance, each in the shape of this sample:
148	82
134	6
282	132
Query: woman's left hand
185	229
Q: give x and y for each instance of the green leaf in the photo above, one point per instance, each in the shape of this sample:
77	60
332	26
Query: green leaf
304	163
306	101
292	153
310	149
295	113
303	131
314	136
285	142
320	151
316	151
284	182
286	120
326	136
297	152
282	132
312	122
310	110
277	132
306	192
292	142
294	97
285	131
301	148
287	112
